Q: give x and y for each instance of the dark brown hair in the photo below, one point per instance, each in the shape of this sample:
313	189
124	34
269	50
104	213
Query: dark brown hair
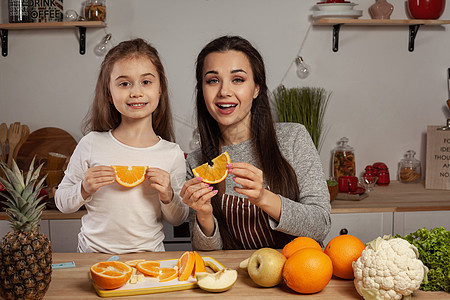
103	115
279	174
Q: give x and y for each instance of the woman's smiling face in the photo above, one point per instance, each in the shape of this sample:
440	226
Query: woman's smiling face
229	88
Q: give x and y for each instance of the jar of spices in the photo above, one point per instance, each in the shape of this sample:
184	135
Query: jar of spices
343	159
95	10
409	168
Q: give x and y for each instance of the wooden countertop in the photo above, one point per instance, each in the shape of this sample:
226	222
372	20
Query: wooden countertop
73	283
395	197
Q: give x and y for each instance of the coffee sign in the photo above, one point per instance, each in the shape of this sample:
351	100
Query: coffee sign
437	174
46	11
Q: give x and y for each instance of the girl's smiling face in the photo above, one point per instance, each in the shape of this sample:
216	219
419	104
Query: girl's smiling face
135	87
229	88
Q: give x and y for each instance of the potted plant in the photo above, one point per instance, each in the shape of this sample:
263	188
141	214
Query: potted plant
305	105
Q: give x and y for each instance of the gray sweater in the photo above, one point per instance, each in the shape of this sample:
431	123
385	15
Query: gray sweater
309	217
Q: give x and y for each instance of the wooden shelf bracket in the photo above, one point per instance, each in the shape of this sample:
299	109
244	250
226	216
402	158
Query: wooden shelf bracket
4	36
413	29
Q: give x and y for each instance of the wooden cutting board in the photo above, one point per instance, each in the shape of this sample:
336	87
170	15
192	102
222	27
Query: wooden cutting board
43	141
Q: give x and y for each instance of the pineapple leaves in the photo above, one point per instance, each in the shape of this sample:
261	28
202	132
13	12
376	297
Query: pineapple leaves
23	204
14	177
30	171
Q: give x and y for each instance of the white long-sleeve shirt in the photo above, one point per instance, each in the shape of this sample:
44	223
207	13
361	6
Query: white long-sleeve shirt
121	219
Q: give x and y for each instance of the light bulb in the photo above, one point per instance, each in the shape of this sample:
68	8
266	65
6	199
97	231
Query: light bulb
102	48
70	15
303	69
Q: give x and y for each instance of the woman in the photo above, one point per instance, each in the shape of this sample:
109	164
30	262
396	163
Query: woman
277	189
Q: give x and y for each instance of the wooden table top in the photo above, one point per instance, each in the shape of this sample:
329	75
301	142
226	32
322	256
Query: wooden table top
73	283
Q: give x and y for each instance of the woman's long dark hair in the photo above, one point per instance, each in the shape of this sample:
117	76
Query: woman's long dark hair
104	116
279	174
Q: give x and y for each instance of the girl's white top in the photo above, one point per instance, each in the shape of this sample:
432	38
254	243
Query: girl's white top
121	219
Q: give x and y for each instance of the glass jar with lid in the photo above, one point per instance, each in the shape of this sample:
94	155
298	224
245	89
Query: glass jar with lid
95	10
409	170
343	159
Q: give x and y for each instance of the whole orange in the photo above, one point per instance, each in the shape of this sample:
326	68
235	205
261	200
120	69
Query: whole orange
308	271
343	251
299	243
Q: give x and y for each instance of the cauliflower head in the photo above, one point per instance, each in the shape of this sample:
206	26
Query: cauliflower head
388	268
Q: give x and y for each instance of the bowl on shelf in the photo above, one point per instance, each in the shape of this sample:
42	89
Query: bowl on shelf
426	9
335	6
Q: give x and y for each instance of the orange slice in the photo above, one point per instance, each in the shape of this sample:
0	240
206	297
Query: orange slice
133	263
214	172
149	268
199	263
130	176
110	274
168	274
186	264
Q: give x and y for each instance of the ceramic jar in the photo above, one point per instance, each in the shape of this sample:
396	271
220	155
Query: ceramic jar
426	9
381	10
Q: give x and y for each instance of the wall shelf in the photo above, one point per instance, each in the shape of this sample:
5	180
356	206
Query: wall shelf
81	25
414	26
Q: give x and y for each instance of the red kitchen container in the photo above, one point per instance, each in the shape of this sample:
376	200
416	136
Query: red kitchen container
426	9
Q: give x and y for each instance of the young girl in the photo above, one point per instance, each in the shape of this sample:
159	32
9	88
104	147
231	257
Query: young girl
130	123
277	189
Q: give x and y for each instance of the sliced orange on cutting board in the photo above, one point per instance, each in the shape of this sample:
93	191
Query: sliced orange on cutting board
133	263
214	171
130	176
168	274
199	263
186	264
149	268
110	274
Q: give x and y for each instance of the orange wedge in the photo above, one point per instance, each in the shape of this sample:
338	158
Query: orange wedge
149	268
133	263
168	274
130	176
199	263
214	172
186	264
110	274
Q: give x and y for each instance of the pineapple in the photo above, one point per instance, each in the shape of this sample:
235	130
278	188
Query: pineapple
25	254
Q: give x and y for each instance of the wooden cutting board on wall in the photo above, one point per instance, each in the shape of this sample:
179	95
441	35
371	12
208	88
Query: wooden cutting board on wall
43	141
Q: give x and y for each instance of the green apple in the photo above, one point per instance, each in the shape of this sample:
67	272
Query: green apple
265	267
220	281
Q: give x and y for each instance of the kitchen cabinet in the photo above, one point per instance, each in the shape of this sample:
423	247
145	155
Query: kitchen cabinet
365	226
64	235
413	25
81	25
408	222
5	228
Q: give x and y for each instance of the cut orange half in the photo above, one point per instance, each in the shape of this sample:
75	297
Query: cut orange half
186	264
215	171
149	268
168	274
130	176
110	274
199	263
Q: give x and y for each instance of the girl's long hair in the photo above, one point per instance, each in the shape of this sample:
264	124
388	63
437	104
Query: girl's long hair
279	174
103	116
